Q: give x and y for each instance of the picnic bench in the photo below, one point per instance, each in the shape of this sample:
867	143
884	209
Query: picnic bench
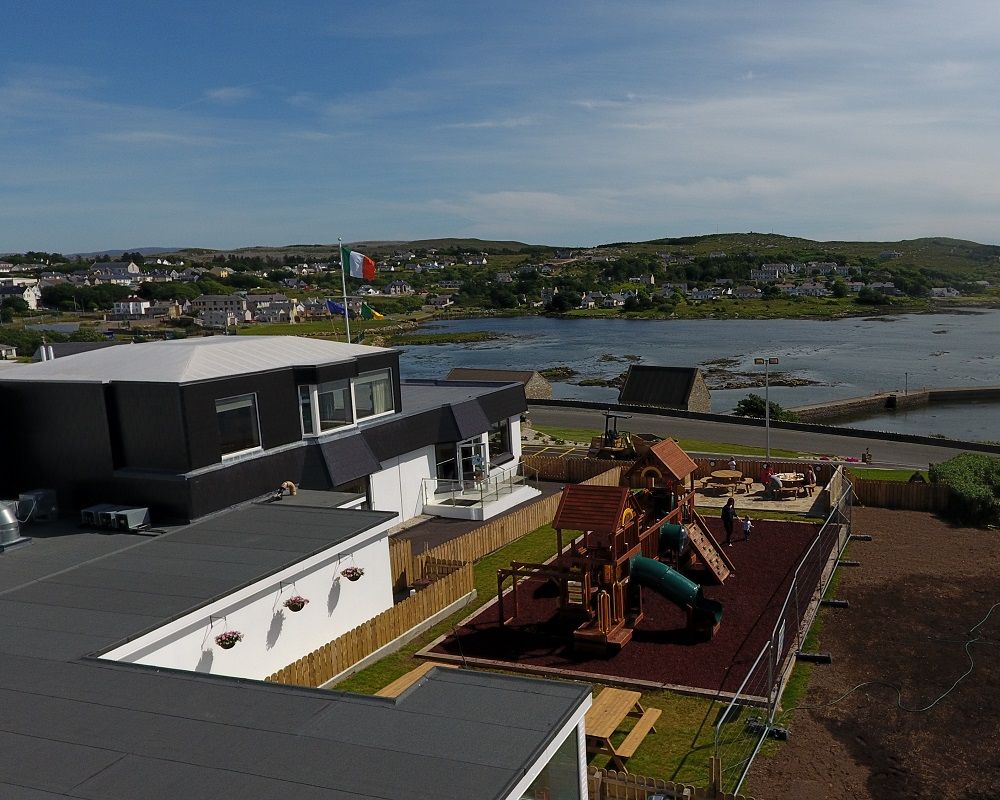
609	710
404	682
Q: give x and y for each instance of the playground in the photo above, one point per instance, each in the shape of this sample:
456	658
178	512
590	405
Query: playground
645	591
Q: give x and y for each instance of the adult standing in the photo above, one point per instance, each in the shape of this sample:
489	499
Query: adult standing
729	519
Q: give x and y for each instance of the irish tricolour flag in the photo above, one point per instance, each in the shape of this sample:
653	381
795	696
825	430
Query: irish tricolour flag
361	266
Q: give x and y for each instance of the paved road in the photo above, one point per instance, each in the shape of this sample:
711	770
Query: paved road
885	453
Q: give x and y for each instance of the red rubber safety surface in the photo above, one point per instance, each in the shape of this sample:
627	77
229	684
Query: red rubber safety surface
660	650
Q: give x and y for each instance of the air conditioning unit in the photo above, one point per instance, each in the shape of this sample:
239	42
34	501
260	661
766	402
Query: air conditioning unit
130	519
92	516
38	505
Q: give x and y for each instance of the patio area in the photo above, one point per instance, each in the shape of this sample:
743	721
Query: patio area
814	505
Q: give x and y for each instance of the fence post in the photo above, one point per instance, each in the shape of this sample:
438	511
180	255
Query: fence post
715	777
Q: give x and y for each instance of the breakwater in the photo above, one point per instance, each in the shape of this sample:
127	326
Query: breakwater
892	401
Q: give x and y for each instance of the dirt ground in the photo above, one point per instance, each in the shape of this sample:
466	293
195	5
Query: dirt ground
921	587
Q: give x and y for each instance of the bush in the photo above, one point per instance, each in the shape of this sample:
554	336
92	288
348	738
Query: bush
753	406
974	479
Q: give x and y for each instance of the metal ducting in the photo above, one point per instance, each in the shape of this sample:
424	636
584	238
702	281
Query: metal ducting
10	528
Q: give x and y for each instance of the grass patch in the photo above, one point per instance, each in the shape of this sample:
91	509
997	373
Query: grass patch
584	435
466	337
870	473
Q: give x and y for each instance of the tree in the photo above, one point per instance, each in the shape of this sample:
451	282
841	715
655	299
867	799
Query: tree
840	288
753	406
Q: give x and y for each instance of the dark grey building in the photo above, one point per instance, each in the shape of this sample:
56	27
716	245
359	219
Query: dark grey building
189	427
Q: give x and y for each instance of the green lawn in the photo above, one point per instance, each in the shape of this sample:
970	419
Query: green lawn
583	436
885	474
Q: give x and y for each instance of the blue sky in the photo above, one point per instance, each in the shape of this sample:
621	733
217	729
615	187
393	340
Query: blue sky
222	125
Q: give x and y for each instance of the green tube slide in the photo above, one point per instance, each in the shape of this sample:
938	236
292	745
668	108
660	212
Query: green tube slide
672	585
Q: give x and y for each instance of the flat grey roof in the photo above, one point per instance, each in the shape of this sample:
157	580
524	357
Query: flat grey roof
194	359
78	727
420	396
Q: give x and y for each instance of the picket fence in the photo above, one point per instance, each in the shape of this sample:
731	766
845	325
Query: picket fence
346	650
605	784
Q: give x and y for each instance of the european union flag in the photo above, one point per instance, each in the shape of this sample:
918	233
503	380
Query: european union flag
334	307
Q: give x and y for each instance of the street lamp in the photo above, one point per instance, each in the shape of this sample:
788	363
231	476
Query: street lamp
766	362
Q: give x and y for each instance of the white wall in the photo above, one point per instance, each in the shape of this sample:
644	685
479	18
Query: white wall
398	486
274	637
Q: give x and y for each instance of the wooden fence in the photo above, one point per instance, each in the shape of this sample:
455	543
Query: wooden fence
449	568
491	536
401	564
571	469
901	495
610	785
346	650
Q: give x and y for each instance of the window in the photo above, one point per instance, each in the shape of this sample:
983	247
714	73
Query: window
373	394
305	407
560	778
334	404
239	429
499	438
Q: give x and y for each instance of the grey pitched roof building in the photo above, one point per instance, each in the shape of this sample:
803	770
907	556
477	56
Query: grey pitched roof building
666	387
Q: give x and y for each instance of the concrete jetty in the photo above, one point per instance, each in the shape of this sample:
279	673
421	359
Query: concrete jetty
898	400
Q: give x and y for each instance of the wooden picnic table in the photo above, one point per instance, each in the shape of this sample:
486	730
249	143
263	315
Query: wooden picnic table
607	713
727	478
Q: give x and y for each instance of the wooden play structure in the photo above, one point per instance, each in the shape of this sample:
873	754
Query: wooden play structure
627	540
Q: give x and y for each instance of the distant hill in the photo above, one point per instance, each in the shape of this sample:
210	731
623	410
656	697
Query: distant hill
114	253
938	254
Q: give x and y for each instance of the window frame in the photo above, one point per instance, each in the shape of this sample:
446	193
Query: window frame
259	447
361	379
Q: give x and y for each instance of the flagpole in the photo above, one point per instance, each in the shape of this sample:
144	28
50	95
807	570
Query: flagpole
343	284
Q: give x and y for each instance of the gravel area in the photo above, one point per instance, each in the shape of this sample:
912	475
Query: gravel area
921	588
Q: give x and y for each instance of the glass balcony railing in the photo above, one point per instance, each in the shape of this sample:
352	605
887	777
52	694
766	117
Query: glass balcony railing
448	492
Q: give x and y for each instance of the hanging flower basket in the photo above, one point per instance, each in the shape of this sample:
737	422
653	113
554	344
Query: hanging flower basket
296	603
352	573
228	639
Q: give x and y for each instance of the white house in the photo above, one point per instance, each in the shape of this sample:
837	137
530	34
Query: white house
132	306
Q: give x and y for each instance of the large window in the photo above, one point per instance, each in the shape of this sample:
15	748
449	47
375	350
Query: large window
499	438
560	778
239	429
325	407
373	394
334	405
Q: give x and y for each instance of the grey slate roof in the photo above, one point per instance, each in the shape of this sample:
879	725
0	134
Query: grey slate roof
73	726
658	386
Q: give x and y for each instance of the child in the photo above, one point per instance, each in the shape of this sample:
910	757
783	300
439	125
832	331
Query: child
747	527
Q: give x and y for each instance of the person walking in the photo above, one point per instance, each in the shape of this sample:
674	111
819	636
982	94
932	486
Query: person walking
729	519
747	527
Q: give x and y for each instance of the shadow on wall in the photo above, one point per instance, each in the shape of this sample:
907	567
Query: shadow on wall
205	662
274	631
334	597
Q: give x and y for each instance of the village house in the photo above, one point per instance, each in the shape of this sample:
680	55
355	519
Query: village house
30	294
945	291
398	288
132	307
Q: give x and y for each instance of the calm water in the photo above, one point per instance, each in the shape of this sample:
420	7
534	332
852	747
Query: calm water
848	357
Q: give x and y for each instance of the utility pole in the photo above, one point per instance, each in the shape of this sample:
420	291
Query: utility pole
766	362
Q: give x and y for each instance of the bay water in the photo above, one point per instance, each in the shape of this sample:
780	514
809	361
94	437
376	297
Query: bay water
846	357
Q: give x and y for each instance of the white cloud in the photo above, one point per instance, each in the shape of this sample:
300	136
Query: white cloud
229	94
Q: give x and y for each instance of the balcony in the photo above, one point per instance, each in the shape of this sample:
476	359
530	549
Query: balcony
477	500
